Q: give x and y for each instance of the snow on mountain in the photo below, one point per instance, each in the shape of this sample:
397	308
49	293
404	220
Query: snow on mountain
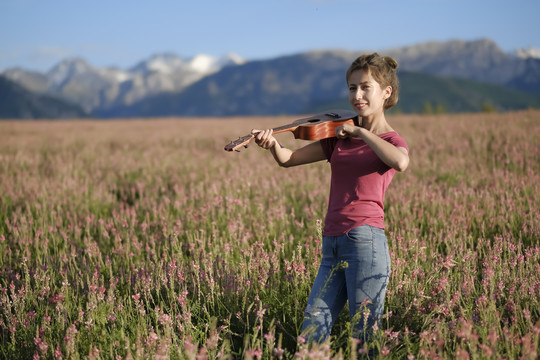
93	88
207	64
527	53
231	59
203	64
115	74
165	63
168	63
67	69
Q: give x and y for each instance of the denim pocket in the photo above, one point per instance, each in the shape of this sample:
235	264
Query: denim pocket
361	234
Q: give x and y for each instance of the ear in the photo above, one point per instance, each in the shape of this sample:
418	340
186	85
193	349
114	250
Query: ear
387	92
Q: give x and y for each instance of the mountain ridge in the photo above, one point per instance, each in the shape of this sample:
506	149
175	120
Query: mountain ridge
16	102
167	84
77	81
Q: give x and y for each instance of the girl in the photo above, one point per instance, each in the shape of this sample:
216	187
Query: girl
355	264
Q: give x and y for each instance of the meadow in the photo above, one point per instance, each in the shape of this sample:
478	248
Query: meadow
144	239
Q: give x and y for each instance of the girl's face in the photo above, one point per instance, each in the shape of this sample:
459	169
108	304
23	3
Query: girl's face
365	94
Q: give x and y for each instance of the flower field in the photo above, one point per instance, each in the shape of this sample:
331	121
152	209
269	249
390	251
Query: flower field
144	239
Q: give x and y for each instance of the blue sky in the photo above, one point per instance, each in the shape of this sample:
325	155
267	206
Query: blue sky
36	34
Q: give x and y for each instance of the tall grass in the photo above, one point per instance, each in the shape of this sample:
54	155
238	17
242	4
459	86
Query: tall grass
144	239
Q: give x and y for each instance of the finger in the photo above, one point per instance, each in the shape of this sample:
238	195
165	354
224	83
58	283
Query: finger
341	134
267	138
262	135
268	141
266	134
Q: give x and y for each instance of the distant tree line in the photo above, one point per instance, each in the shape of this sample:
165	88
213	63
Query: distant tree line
438	108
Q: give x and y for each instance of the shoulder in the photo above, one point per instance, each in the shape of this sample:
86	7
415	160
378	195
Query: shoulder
395	139
328	146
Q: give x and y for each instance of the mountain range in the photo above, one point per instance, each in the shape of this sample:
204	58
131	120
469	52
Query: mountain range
17	102
455	75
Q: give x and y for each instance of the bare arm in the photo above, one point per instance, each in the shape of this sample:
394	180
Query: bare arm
393	156
285	157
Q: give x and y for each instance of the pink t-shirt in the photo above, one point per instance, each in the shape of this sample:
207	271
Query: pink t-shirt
358	183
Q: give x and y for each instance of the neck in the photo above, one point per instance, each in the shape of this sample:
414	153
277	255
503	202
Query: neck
376	124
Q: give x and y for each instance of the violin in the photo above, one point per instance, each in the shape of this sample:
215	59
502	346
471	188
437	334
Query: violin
316	127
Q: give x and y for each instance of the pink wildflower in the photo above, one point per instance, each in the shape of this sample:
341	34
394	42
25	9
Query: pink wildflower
462	354
269	337
56	298
492	337
189	348
57	353
41	345
488	352
165	319
254	353
278	352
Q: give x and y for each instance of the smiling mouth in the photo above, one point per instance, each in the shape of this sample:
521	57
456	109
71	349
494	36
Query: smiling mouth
361	106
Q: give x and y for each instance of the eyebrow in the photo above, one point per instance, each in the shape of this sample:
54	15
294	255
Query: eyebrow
362	83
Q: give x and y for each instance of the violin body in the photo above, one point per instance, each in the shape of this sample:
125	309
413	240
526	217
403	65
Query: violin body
316	127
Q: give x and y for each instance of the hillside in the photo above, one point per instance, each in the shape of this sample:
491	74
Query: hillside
419	91
297	85
18	103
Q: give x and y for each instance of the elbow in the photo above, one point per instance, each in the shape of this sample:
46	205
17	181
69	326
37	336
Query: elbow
285	165
402	164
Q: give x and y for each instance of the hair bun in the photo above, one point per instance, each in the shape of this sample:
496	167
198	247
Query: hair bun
391	62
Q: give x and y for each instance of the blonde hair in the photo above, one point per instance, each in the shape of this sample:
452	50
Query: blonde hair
383	70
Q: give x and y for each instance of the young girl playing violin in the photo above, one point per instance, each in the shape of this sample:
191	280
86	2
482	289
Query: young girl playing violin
355	265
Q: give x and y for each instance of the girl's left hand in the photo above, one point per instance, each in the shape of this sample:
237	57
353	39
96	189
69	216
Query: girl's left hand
346	130
264	138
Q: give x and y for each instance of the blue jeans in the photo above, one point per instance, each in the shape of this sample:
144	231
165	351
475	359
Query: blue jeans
354	267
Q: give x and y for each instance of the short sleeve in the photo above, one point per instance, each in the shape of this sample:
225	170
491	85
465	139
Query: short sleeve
396	140
328	146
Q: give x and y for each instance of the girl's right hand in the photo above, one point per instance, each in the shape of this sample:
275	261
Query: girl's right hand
264	138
